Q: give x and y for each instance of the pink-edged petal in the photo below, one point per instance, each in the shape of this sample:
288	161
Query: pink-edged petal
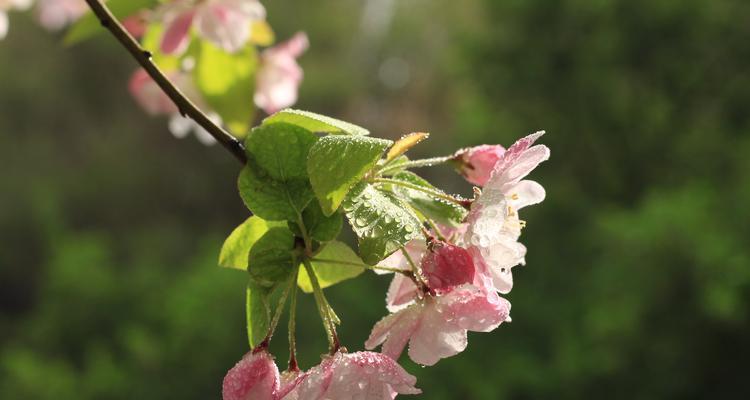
525	193
498	259
222	25
401	293
394	331
290	381
279	77
255	377
362	375
524	164
435	337
176	37
475	309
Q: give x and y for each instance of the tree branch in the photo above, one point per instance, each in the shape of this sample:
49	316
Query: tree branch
143	57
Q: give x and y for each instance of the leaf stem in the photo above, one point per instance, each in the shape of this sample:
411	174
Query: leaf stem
323	308
412	186
143	57
425	162
277	314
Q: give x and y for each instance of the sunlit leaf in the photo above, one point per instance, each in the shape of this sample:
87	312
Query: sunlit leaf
382	222
316	122
336	163
227	83
236	248
272	199
332	270
281	149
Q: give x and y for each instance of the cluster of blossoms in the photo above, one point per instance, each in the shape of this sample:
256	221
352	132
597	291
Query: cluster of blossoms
444	286
228	25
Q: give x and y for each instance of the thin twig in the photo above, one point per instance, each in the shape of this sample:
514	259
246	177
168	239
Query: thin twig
143	57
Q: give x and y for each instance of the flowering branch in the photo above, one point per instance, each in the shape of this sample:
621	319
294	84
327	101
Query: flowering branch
143	57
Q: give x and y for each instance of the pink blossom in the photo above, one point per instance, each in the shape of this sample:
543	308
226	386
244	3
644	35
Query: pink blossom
57	14
493	223
225	23
7	5
446	266
155	102
137	23
477	163
362	375
436	327
255	377
149	95
279	76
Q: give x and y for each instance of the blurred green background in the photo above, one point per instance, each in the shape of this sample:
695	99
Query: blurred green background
638	276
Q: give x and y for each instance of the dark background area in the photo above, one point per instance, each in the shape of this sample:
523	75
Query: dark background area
637	283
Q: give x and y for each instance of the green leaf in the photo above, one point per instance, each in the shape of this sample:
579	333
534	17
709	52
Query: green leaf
89	25
281	149
336	163
271	199
431	207
272	257
236	248
321	227
331	273
227	83
316	122
258	312
382	222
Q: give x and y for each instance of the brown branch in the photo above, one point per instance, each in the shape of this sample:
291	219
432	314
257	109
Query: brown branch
143	57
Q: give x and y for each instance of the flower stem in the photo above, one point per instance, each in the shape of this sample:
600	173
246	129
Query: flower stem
412	186
143	57
323	308
416	271
292	327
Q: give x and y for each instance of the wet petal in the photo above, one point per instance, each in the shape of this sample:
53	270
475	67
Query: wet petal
255	377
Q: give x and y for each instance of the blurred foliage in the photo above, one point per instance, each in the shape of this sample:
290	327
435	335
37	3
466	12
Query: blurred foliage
638	275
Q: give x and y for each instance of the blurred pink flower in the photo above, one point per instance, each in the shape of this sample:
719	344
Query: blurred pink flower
149	95
57	14
8	5
493	224
476	163
348	376
137	23
279	75
225	23
154	101
255	377
436	327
